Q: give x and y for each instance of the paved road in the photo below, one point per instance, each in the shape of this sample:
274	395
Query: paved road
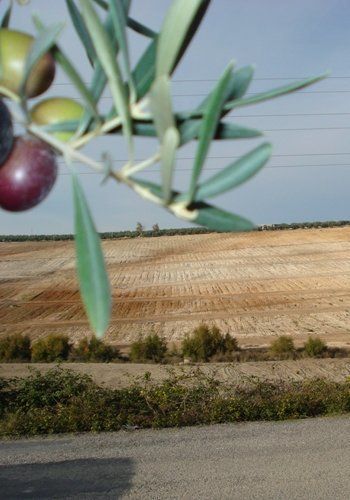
307	459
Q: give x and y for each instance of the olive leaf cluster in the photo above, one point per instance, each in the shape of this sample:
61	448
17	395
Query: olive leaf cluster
142	106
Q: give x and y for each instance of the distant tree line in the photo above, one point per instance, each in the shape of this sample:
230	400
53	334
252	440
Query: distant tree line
156	231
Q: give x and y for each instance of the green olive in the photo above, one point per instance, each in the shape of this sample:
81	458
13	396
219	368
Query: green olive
55	110
14	49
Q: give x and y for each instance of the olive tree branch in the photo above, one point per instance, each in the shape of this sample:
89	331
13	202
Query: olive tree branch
68	152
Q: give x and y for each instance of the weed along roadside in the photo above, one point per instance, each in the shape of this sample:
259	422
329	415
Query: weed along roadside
62	401
67	399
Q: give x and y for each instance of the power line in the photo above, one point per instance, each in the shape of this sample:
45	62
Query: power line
231	157
197	80
291	114
110	98
217	169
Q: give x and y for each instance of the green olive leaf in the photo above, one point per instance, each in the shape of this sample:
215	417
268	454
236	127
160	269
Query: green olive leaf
5	20
236	173
175	30
271	94
91	268
161	105
104	47
82	32
119	19
208	127
168	150
219	220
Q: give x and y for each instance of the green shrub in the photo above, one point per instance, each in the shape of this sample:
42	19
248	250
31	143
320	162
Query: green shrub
283	347
206	342
151	348
315	347
94	350
15	348
51	348
64	401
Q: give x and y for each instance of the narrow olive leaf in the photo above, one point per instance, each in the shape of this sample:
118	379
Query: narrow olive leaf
77	80
223	131
99	79
236	173
144	73
145	70
5	20
102	3
236	87
105	5
208	127
93	279
141	28
240	81
64	126
219	220
104	47
119	19
174	31
234	131
40	46
80	28
168	150
161	106
271	94
132	23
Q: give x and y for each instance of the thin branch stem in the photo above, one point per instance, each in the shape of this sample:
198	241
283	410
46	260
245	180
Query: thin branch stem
66	149
11	95
133	169
68	152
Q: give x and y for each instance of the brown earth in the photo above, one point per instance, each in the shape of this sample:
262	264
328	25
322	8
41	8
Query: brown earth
118	375
256	286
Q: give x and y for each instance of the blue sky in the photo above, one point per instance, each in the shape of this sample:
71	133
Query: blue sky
308	175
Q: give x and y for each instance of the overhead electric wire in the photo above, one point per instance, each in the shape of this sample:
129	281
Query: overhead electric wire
347	165
198	80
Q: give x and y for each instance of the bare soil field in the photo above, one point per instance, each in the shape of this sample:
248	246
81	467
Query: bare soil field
117	375
255	286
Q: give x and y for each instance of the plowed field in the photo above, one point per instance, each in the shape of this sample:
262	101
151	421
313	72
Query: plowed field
254	285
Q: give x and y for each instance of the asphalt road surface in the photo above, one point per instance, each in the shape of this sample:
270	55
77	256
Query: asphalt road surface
306	459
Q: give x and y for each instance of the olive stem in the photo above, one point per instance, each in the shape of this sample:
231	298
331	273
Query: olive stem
68	152
65	149
130	170
136	112
11	95
106	127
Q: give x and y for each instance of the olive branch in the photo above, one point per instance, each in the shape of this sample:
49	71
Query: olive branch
142	106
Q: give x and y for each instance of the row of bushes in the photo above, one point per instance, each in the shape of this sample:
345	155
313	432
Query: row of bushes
63	401
209	344
203	345
169	232
303	225
109	235
55	348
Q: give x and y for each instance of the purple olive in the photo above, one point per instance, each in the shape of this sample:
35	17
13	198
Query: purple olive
28	174
6	133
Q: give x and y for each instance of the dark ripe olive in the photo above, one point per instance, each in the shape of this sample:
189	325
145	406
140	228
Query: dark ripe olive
28	174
